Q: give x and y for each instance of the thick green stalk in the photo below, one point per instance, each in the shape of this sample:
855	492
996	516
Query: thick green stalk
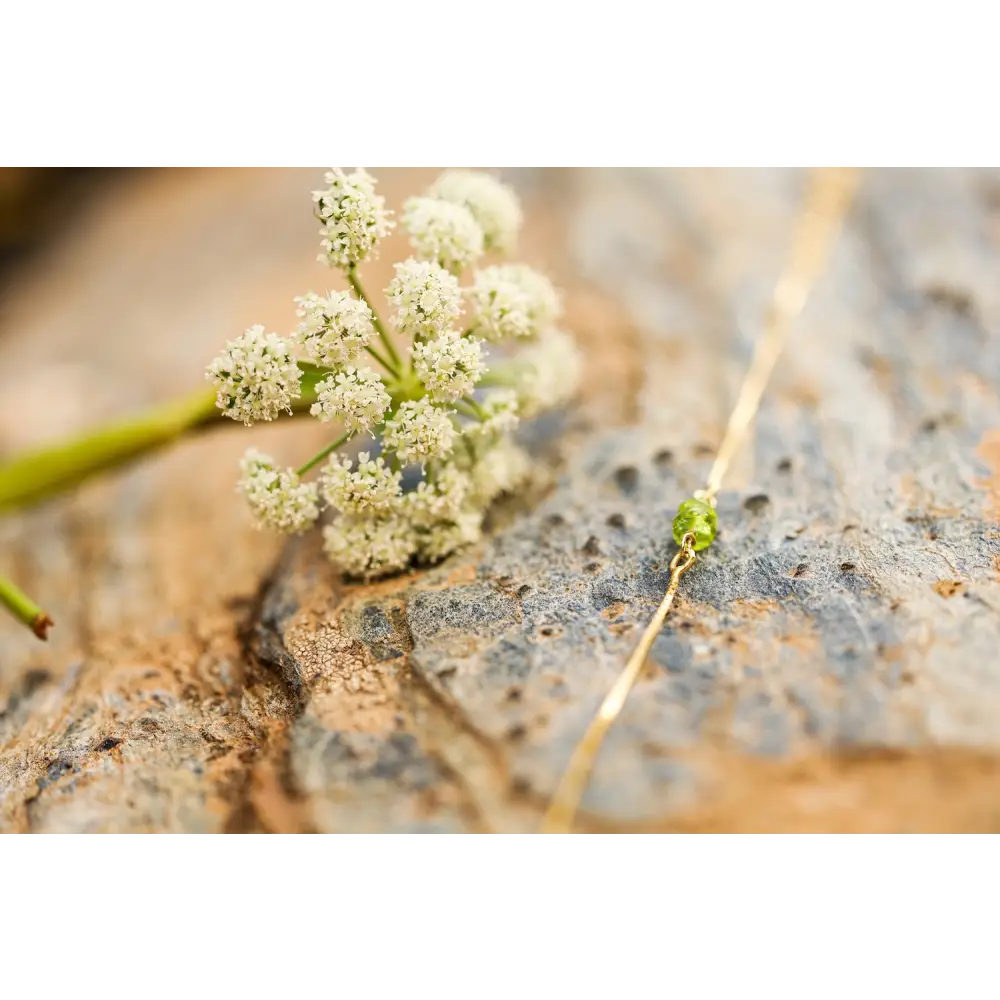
45	472
24	609
352	277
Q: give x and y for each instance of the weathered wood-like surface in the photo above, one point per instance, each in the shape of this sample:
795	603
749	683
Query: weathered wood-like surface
832	663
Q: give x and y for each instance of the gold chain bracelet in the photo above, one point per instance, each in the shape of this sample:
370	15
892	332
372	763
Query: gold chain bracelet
827	200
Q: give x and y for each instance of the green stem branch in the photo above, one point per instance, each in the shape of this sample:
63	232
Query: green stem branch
470	408
499	377
352	277
24	609
383	361
322	453
45	472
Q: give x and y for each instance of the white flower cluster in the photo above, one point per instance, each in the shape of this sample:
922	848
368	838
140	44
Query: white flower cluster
449	366
492	204
436	407
426	299
354	218
419	431
276	498
335	329
255	377
512	301
443	232
371	487
356	397
550	373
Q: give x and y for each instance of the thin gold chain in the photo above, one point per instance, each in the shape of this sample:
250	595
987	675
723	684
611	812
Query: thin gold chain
827	200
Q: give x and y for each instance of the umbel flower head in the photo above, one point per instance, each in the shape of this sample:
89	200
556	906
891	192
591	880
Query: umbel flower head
427	298
276	497
443	232
441	394
419	431
335	329
256	377
492	204
357	397
449	366
354	218
371	487
370	546
512	301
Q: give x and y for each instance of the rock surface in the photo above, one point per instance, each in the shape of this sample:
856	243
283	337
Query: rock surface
829	664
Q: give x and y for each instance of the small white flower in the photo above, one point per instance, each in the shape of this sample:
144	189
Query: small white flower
512	301
355	396
441	500
276	497
441	540
335	329
419	431
354	217
256	377
492	204
450	365
500	416
500	470
369	547
550	373
426	298
371	487
444	232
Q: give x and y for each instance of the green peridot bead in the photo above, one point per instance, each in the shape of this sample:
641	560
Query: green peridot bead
698	518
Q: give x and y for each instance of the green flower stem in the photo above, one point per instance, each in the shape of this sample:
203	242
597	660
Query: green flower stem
322	453
383	361
45	472
475	407
499	376
352	277
470	408
24	609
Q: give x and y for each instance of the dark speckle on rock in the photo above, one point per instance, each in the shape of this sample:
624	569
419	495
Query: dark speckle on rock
757	503
616	520
626	478
516	733
520	785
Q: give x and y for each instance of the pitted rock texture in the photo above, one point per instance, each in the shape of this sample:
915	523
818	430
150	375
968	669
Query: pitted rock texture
830	661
